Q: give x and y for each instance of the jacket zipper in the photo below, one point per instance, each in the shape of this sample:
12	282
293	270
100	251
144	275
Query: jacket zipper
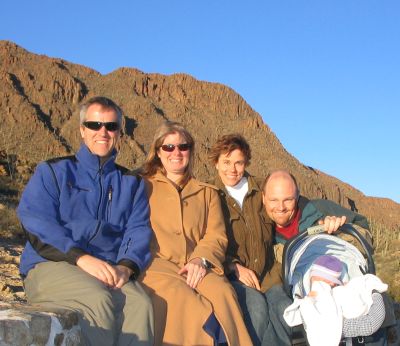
110	191
94	234
98	209
101	192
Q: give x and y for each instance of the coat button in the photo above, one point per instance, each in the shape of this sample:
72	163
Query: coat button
256	260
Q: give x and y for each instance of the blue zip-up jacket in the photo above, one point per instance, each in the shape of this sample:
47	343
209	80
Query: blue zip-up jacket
73	206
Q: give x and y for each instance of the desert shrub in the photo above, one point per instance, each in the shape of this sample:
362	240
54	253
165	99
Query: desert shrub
387	256
10	227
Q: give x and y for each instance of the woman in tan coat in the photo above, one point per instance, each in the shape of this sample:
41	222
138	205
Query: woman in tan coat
194	304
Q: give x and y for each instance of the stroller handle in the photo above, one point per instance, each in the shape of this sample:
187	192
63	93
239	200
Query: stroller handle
346	229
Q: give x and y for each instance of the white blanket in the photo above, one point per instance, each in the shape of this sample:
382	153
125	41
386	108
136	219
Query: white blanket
355	298
323	314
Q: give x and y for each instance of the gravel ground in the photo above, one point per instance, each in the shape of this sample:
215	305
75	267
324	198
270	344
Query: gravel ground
11	289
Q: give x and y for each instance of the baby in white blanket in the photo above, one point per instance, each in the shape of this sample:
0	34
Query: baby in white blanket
330	303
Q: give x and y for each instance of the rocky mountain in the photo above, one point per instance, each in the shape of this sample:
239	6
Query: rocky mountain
38	106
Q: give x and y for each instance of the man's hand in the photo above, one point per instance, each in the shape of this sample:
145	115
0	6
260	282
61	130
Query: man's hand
194	271
98	268
332	223
246	276
123	275
113	276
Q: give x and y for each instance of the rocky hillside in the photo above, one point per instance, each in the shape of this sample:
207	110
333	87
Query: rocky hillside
39	97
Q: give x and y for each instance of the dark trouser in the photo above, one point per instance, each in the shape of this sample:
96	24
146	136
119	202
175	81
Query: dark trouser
263	314
107	316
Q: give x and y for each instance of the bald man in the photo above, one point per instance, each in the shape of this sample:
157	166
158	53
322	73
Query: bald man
293	213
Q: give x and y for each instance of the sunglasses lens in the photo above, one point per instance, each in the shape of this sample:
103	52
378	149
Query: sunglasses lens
168	147
93	125
111	126
97	125
184	147
171	147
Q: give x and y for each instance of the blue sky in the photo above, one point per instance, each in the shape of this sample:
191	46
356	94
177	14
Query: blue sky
324	75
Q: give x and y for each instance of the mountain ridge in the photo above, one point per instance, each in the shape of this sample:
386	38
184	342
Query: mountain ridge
39	97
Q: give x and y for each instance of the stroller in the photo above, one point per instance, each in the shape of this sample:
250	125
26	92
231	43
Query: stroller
301	251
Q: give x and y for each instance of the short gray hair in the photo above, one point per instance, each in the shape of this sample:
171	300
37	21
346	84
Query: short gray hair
105	102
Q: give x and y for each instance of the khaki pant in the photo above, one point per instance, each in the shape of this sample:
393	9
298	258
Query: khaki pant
107	316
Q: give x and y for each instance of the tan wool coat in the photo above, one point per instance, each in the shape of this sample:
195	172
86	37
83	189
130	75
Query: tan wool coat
186	225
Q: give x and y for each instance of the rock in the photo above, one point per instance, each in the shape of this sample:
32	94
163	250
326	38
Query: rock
25	325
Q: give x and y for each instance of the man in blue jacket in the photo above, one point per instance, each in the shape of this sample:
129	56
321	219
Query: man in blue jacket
87	223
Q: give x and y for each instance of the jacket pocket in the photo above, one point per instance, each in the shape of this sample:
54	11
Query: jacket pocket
233	216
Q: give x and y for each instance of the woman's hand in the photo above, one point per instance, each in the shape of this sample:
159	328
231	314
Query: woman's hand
194	271
246	276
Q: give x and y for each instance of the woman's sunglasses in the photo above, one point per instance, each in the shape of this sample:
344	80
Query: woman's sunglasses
111	126
171	147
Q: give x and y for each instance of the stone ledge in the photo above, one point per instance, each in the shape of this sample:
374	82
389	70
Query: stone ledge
26	325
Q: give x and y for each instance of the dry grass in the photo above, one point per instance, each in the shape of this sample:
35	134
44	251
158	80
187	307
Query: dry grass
10	228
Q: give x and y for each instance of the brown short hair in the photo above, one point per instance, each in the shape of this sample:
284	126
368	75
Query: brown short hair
228	143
